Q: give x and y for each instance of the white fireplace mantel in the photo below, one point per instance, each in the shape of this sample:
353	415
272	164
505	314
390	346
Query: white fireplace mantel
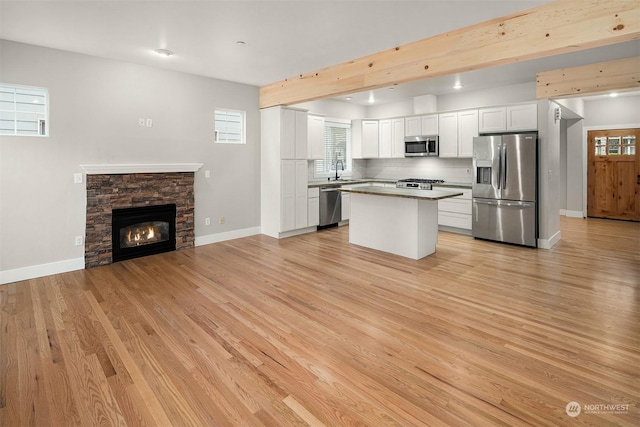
140	168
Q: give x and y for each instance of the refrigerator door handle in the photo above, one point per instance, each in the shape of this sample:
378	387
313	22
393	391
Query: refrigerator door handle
504	165
486	202
500	165
504	203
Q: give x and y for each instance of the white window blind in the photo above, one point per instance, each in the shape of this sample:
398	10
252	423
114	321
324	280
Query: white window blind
337	146
230	126
23	110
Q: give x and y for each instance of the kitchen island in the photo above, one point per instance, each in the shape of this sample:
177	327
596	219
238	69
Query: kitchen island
401	221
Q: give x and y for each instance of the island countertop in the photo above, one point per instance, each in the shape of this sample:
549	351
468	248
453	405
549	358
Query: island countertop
408	193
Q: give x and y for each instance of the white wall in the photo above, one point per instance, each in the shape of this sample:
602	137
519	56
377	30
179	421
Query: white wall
549	174
334	109
525	92
574	168
612	112
95	104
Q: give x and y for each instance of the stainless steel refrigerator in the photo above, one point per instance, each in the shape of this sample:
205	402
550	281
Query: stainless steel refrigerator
505	188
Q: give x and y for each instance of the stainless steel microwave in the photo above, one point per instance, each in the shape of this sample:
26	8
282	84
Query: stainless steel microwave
421	146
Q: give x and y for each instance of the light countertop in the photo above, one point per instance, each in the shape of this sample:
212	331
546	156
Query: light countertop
349	181
409	193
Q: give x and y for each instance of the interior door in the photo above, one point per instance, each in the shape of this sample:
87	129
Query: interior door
613	174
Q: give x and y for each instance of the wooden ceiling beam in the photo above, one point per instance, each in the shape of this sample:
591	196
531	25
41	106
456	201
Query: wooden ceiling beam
593	78
554	28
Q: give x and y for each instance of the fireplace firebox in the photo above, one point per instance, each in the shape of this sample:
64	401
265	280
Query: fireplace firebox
143	231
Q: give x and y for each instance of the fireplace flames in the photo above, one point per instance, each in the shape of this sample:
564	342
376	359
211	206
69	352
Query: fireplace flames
141	234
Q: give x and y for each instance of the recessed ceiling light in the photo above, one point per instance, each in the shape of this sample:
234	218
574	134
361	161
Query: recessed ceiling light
392	88
613	94
457	85
348	98
163	52
241	43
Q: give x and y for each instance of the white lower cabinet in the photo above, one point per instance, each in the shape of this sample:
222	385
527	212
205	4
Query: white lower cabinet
456	211
313	204
346	206
294	205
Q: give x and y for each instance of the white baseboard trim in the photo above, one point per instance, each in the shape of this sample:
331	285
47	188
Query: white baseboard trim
297	232
40	270
549	243
227	235
571	214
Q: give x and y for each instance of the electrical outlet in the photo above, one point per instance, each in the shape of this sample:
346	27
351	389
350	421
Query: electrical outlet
149	123
207	221
77	178
221	220
207	174
141	122
78	240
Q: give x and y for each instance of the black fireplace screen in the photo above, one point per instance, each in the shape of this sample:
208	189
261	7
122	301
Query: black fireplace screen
143	231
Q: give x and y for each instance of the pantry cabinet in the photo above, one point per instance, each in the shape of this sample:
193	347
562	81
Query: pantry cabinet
284	171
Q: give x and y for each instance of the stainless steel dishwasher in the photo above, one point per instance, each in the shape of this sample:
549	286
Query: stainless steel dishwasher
330	206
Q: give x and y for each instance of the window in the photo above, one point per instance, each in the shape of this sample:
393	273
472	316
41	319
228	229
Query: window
24	110
230	126
615	145
337	147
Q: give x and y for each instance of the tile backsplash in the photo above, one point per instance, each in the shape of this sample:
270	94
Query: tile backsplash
452	170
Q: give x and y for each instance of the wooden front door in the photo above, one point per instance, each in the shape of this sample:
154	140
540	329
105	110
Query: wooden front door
613	174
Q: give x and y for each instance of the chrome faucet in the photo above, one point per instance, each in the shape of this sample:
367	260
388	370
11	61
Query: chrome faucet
341	167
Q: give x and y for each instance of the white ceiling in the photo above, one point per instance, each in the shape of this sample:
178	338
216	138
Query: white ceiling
283	38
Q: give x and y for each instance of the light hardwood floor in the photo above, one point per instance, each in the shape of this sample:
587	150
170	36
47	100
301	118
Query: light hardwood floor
312	330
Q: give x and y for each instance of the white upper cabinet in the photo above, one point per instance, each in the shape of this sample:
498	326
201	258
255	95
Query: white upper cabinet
397	138
391	138
386	135
364	139
448	126
522	117
457	130
293	138
429	124
467	130
421	125
370	139
413	126
492	119
315	137
507	119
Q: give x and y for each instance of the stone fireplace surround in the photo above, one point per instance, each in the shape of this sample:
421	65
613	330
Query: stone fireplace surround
122	186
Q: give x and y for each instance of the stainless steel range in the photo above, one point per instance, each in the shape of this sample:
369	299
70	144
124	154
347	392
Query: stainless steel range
418	183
